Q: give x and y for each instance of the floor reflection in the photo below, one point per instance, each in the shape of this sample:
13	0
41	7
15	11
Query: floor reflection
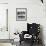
5	44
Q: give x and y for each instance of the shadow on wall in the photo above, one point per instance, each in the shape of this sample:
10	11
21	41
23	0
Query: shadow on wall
41	34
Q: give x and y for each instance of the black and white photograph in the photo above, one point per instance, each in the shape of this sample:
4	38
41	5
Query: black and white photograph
21	14
22	22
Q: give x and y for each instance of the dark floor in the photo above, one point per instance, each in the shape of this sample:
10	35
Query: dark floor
27	44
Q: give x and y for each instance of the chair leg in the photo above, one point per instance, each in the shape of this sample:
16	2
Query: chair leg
20	42
32	42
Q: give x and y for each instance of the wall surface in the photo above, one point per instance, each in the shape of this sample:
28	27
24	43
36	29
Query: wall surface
3	1
35	14
3	21
4	34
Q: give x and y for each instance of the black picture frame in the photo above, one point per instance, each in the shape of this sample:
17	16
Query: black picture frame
21	14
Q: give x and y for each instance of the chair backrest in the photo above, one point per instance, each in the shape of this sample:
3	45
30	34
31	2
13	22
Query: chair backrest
33	28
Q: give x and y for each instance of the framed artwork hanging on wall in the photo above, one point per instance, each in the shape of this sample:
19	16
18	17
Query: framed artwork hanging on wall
21	14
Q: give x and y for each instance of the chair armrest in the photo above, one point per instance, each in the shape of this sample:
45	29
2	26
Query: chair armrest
24	32
22	35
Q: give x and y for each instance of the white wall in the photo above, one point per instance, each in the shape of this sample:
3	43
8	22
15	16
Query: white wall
35	13
3	1
4	34
3	21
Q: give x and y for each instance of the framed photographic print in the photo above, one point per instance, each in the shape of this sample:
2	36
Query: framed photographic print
21	14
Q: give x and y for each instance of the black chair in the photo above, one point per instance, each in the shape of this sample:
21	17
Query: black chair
32	29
